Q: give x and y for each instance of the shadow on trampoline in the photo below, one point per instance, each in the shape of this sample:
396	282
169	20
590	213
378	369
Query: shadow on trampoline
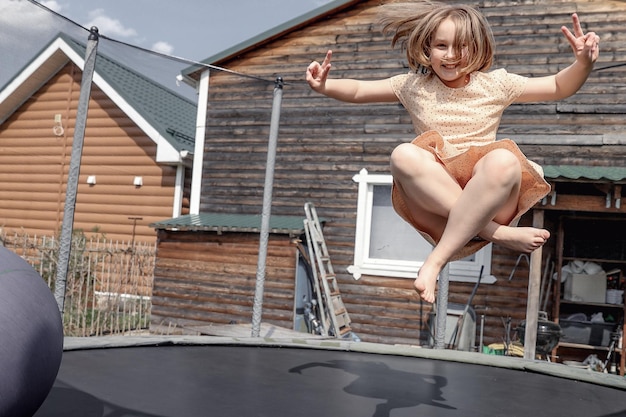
377	380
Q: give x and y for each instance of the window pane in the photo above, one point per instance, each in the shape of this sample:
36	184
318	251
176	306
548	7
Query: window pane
390	236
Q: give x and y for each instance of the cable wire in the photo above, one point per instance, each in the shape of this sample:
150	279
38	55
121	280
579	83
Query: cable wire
188	61
621	64
172	57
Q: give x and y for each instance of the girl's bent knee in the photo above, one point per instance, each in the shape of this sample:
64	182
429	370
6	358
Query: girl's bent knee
501	163
402	151
400	157
405	157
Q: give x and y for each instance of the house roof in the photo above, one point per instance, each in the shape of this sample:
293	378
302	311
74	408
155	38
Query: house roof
191	74
221	222
585	173
167	118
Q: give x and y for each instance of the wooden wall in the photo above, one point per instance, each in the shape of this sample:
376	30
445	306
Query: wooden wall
529	43
206	278
323	143
34	164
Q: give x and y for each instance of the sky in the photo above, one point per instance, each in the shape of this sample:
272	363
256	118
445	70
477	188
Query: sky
190	29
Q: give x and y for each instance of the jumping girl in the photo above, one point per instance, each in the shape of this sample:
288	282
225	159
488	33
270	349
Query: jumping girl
457	185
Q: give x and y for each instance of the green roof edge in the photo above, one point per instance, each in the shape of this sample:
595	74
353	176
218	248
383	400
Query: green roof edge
585	172
225	222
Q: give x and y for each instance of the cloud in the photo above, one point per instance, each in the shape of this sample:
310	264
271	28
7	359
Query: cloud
109	26
52	5
23	24
18	14
163	48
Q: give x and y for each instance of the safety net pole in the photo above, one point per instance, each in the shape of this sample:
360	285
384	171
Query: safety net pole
257	308
67	227
442	308
534	284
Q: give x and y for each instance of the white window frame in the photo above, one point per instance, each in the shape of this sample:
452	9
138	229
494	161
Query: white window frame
460	271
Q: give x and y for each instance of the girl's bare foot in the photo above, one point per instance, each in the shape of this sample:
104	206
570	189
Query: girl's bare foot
426	282
519	239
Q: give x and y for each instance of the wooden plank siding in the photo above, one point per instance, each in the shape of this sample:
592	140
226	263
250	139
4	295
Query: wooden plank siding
323	143
209	278
34	165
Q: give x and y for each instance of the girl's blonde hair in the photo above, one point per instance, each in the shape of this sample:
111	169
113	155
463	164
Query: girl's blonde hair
414	25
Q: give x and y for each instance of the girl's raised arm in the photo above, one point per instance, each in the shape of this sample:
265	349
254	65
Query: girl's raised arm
349	90
569	80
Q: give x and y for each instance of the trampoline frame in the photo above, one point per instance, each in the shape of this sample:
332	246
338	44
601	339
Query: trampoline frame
506	362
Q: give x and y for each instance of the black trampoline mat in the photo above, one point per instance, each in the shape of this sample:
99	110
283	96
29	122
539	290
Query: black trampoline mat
242	381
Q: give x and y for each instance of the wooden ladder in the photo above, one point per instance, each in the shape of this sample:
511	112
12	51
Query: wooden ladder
333	310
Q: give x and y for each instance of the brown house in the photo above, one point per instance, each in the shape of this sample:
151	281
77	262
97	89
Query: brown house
133	164
336	155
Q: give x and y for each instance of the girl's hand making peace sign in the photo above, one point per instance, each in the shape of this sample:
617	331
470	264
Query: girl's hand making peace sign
316	73
585	46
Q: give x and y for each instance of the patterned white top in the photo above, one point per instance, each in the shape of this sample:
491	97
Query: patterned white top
464	116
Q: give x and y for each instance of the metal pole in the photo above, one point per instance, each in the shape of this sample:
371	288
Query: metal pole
442	307
534	285
267	208
65	243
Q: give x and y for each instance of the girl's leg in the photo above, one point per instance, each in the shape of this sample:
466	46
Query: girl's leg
453	215
430	193
427	187
492	191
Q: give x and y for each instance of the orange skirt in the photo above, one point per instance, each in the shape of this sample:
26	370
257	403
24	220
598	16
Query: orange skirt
461	165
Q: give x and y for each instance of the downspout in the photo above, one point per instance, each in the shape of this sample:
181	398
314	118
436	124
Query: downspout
198	155
179	186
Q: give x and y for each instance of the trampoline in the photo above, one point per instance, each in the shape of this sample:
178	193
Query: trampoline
222	376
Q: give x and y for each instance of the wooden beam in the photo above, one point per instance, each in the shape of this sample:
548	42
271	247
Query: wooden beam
581	203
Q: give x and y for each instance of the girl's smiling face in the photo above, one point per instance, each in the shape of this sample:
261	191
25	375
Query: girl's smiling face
443	56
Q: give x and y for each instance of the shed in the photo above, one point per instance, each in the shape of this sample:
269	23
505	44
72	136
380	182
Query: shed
206	271
325	145
134	163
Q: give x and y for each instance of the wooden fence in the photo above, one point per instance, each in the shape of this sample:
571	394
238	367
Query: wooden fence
109	284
